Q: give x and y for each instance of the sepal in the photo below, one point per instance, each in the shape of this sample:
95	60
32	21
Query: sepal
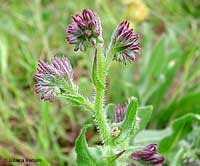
97	69
129	122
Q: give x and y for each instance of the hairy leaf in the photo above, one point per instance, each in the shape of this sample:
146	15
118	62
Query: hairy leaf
151	136
179	130
84	157
143	117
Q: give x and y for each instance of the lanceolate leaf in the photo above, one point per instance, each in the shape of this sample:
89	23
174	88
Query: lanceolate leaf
181	106
97	69
180	128
84	157
129	122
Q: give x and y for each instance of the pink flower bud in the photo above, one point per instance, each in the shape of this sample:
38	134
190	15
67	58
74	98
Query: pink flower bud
148	154
85	29
49	74
125	43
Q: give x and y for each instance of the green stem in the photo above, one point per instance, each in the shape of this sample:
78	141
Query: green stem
99	112
109	58
74	92
100	116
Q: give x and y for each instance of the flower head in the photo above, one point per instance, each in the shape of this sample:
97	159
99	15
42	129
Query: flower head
125	43
148	154
49	75
86	28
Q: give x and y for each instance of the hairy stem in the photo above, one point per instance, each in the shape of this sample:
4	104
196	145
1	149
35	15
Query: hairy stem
99	111
109	57
73	92
101	116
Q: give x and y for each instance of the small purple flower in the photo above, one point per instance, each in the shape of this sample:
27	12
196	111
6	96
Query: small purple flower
125	43
86	28
131	164
120	112
48	76
148	154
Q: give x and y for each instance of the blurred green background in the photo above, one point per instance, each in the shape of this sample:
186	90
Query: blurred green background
165	75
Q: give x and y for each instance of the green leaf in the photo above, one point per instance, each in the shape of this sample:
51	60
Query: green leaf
97	69
129	122
181	106
143	115
151	136
84	157
110	110
77	100
95	156
179	130
104	155
177	158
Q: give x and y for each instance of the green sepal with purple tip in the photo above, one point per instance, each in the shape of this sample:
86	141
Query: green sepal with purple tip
129	122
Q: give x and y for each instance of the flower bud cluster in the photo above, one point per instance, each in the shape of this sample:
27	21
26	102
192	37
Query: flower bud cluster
125	43
49	74
86	28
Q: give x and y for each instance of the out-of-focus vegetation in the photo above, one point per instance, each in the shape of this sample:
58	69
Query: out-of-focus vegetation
165	75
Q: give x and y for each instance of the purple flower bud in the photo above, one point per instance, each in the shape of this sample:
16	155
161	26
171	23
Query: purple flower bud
120	112
131	164
125	43
151	147
86	28
156	159
48	75
148	154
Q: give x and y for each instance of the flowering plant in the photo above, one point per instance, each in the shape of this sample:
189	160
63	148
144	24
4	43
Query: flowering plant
55	81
